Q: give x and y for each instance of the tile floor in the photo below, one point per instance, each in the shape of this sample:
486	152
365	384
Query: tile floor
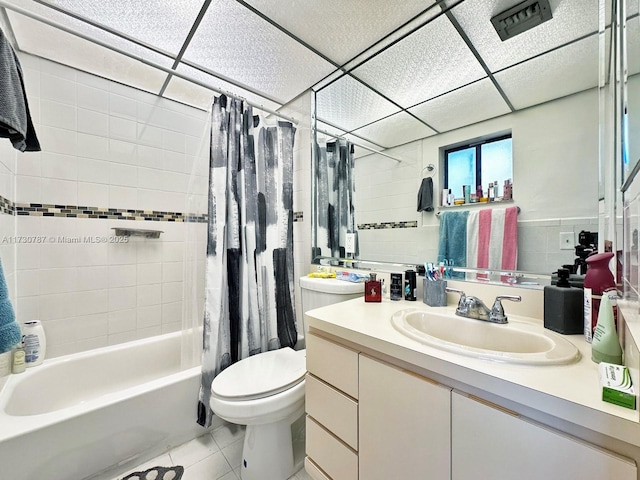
213	456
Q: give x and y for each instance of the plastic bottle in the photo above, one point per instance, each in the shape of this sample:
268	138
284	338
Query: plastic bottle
605	346
19	364
35	343
597	280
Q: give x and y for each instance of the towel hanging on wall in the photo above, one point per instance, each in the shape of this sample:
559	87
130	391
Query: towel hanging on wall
15	118
425	195
492	239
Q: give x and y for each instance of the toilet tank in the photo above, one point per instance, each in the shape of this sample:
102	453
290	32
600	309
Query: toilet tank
320	292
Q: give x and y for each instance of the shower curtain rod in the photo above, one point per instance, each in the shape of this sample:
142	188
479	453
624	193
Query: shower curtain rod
150	63
333	135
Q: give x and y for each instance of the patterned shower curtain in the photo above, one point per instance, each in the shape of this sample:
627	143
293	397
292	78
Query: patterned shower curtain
335	198
249	288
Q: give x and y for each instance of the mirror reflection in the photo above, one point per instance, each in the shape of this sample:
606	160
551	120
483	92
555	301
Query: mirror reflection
447	81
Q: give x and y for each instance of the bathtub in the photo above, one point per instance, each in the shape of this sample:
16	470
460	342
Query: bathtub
83	415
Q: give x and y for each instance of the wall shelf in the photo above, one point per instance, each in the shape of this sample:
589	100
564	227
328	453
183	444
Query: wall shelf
137	232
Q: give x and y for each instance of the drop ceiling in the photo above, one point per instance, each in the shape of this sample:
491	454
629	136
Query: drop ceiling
385	73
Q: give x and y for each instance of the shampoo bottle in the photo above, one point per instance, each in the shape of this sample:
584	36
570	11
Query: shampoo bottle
19	365
605	346
35	343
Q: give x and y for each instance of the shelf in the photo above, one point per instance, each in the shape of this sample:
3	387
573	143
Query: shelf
137	232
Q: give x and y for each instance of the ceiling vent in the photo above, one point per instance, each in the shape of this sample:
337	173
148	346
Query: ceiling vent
521	18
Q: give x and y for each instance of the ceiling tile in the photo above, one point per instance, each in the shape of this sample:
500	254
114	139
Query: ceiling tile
157	22
574	67
571	20
52	43
427	63
239	44
341	37
465	106
199	96
349	104
394	130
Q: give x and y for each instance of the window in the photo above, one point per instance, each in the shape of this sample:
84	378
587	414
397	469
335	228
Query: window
478	163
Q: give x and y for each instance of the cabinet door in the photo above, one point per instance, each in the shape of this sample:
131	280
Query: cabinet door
496	444
404	424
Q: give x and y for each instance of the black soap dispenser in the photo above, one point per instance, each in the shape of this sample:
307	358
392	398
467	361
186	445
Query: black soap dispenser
563	306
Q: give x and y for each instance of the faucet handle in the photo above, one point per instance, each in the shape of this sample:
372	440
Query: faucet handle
497	311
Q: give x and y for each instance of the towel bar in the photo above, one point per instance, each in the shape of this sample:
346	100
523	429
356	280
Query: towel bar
484	204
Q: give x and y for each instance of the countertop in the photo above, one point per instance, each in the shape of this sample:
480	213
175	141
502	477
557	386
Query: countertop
569	393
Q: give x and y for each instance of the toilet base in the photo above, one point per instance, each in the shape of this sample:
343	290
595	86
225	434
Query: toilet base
268	451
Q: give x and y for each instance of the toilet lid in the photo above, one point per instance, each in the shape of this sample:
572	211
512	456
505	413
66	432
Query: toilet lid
261	375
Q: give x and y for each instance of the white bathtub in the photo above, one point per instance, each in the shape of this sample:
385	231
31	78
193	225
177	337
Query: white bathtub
81	415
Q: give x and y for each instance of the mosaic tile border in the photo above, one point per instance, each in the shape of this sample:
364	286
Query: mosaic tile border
6	206
385	225
75	211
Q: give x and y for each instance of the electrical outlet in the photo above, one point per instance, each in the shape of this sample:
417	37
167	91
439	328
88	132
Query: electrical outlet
567	241
350	243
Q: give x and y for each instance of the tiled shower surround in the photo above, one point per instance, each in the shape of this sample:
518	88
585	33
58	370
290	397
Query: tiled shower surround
113	157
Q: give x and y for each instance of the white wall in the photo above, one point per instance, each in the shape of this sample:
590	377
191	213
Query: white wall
555	151
104	145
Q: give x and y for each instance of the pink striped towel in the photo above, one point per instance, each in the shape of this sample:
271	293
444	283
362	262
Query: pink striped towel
492	238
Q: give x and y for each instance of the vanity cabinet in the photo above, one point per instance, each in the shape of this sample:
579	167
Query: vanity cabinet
404	424
488	441
331	403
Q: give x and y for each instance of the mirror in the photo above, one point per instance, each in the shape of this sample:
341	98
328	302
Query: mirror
447	78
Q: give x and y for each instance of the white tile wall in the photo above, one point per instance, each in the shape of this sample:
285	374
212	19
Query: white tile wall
104	145
386	190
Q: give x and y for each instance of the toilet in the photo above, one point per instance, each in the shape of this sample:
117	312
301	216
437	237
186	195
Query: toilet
265	392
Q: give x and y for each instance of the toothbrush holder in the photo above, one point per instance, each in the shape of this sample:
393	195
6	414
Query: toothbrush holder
434	292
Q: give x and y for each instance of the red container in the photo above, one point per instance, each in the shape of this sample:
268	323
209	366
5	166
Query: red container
598	280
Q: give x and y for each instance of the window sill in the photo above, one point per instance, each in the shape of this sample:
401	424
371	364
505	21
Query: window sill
476	205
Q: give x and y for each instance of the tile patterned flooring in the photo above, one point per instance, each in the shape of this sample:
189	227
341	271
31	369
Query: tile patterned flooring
213	456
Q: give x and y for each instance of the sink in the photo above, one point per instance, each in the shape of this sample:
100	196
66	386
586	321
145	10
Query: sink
519	341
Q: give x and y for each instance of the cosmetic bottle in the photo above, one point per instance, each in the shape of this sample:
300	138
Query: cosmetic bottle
495	190
395	291
597	281
467	193
451	198
605	346
19	365
490	193
372	289
563	306
410	285
35	343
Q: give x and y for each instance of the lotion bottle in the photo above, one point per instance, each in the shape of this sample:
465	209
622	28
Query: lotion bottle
19	364
605	346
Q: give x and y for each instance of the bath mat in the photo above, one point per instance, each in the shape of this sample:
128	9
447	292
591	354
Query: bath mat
157	473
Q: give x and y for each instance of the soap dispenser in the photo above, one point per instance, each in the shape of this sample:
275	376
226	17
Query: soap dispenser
372	289
563	306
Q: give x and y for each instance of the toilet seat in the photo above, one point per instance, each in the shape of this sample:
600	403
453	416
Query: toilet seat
260	375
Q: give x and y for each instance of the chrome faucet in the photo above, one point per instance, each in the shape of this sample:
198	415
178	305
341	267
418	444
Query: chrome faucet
472	307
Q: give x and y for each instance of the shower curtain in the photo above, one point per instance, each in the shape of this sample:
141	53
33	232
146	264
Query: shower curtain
249	288
335	198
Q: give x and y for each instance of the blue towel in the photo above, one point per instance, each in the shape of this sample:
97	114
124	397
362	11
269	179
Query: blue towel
453	238
10	333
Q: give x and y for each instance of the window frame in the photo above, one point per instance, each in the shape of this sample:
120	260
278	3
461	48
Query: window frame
478	162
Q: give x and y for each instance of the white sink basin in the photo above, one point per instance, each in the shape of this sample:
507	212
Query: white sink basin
518	341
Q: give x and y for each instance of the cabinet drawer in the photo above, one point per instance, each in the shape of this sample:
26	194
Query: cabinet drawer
333	363
313	471
330	454
333	409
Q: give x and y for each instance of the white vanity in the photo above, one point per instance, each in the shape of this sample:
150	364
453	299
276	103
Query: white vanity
382	405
